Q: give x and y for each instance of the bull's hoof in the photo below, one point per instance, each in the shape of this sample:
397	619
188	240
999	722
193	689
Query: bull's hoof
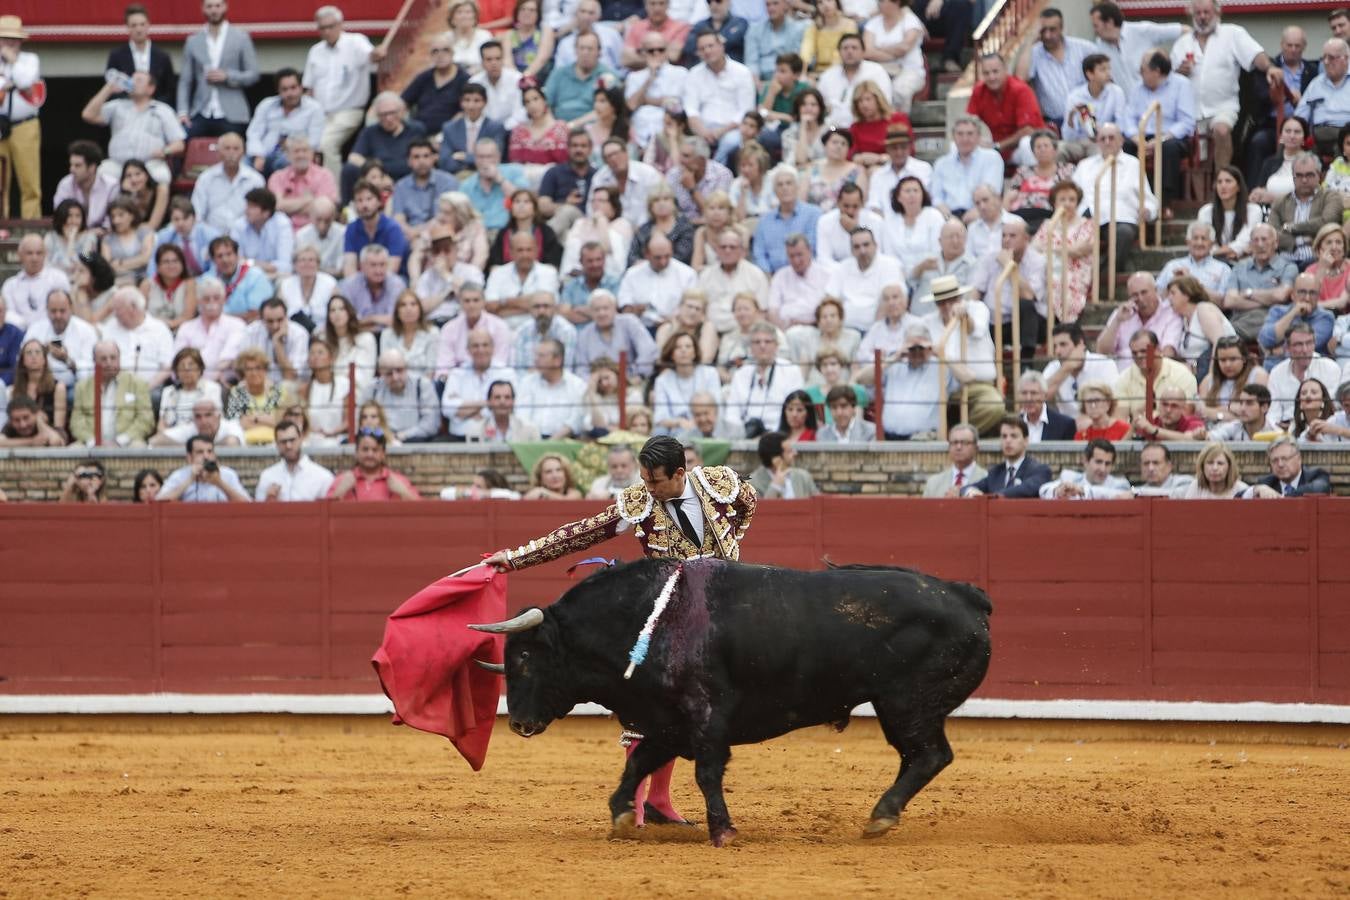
625	827
725	837
879	826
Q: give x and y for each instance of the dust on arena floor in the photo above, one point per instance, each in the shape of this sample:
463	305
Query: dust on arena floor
247	806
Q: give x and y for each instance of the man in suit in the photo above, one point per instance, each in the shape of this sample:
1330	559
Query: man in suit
1043	423
459	135
1019	476
128	419
139	54
218	64
1288	477
1297	233
962	442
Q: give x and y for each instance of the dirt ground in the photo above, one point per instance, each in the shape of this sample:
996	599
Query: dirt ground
352	807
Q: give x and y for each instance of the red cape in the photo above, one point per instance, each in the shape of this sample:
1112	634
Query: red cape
425	663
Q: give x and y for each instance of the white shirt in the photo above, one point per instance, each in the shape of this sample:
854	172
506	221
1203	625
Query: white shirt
1284	385
1096	367
297	346
307	481
26	295
641	179
146	350
795	297
982	238
215	46
468	385
979	344
551	407
140	59
504	103
78	340
833	243
658	292
505	282
689	505
719	98
837	88
912	245
752	396
317	304
1218	67
647	120
883	181
339	76
1127	189
860	291
885	39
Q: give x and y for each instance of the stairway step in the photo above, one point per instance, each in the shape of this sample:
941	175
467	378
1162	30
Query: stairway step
929	113
930	142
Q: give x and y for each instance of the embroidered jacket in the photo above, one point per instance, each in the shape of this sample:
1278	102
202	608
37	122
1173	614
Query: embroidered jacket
728	505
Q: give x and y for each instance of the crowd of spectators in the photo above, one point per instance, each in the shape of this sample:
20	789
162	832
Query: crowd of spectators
722	196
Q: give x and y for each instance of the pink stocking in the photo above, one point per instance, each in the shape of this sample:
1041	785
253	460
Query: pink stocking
660	792
639	798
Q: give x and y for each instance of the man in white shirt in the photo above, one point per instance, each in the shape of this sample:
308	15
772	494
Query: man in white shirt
1304	362
295	477
1124	43
504	103
321	232
900	164
26	291
466	388
975	370
142	127
730	275
218	195
145	343
796	290
1129	205
838	82
717	93
912	389
984	233
834	229
337	74
649	89
1095	482
1030	297
634	180
552	398
586	20
289	113
652	289
510	286
286	343
1213	56
951	258
1074	364
859	280
758	389
69	339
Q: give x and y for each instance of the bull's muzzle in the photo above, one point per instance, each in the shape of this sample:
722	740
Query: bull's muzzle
530	618
527	729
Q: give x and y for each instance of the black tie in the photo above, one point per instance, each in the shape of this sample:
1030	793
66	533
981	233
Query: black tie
1012	473
685	525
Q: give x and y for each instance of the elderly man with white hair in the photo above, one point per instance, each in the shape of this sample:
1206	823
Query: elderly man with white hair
337	74
696	177
375	289
464	399
386	139
301	186
410	402
213	333
611	333
952	258
324	233
1213	55
1130	206
127	418
790	216
730	274
145	343
1200	264
26	291
759	387
1326	103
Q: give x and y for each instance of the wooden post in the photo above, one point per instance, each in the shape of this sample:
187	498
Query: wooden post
1109	167
1154	109
350	403
878	393
996	319
98	405
963	338
1148	381
943	393
1016	329
623	390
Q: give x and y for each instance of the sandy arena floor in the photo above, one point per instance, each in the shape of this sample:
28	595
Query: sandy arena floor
352	807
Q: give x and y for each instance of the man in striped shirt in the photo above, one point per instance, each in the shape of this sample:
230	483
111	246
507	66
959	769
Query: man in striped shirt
1053	66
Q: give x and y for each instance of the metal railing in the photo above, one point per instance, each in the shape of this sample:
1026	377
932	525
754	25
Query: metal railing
1155	147
1108	167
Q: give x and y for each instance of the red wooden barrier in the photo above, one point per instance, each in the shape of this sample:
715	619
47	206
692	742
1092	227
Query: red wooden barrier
1148	600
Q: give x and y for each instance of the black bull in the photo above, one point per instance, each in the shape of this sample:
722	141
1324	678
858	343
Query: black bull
745	653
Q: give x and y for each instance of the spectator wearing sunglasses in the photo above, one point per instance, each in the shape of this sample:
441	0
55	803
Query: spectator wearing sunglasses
87	483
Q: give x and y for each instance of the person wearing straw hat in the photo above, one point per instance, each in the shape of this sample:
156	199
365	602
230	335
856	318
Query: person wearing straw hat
21	96
975	370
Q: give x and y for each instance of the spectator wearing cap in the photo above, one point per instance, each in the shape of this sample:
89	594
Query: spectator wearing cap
20	74
1008	106
659	85
1288	476
265	236
972	367
957	173
1053	66
717	93
912	390
290	113
881	182
371	479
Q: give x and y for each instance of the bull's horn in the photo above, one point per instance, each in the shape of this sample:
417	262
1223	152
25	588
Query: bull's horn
499	668
530	618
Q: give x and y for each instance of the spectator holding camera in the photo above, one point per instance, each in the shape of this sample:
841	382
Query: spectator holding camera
87	483
203	479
